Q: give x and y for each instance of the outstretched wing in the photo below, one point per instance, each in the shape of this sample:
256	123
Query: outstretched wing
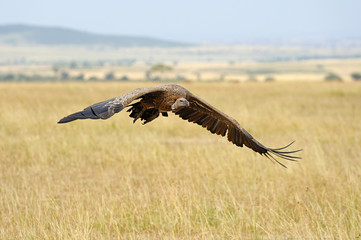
108	108
202	113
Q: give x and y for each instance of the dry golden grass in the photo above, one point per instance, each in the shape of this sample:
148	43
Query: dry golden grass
173	180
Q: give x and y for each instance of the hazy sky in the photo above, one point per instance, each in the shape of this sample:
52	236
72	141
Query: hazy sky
192	20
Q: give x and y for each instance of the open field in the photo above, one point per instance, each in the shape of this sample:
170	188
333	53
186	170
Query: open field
171	179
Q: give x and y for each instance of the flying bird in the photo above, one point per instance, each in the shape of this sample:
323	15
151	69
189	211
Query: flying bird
154	101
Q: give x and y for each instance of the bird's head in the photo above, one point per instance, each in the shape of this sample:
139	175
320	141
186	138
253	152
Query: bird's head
180	103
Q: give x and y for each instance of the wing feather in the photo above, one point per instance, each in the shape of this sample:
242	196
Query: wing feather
108	108
215	121
213	127
195	117
202	119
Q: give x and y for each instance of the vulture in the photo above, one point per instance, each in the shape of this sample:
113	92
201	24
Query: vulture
154	101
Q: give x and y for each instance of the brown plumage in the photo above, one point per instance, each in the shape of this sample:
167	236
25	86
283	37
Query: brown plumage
171	97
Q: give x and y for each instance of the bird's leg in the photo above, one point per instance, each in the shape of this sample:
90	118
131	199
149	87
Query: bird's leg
136	110
141	110
149	115
138	114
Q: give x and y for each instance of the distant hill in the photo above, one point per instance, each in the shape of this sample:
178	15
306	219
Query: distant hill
37	35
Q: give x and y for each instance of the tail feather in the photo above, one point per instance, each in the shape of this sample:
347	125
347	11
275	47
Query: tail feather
72	117
85	114
101	110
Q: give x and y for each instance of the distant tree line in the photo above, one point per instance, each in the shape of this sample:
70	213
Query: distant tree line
90	64
154	74
72	71
73	64
62	76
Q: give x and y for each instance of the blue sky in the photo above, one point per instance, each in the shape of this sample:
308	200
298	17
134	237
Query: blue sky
191	20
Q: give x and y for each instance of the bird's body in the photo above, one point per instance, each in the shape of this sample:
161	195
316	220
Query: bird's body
174	98
160	100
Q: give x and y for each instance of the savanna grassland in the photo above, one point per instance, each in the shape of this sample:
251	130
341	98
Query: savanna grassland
171	179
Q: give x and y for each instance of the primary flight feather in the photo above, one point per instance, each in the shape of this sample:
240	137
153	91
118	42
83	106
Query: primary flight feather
163	99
